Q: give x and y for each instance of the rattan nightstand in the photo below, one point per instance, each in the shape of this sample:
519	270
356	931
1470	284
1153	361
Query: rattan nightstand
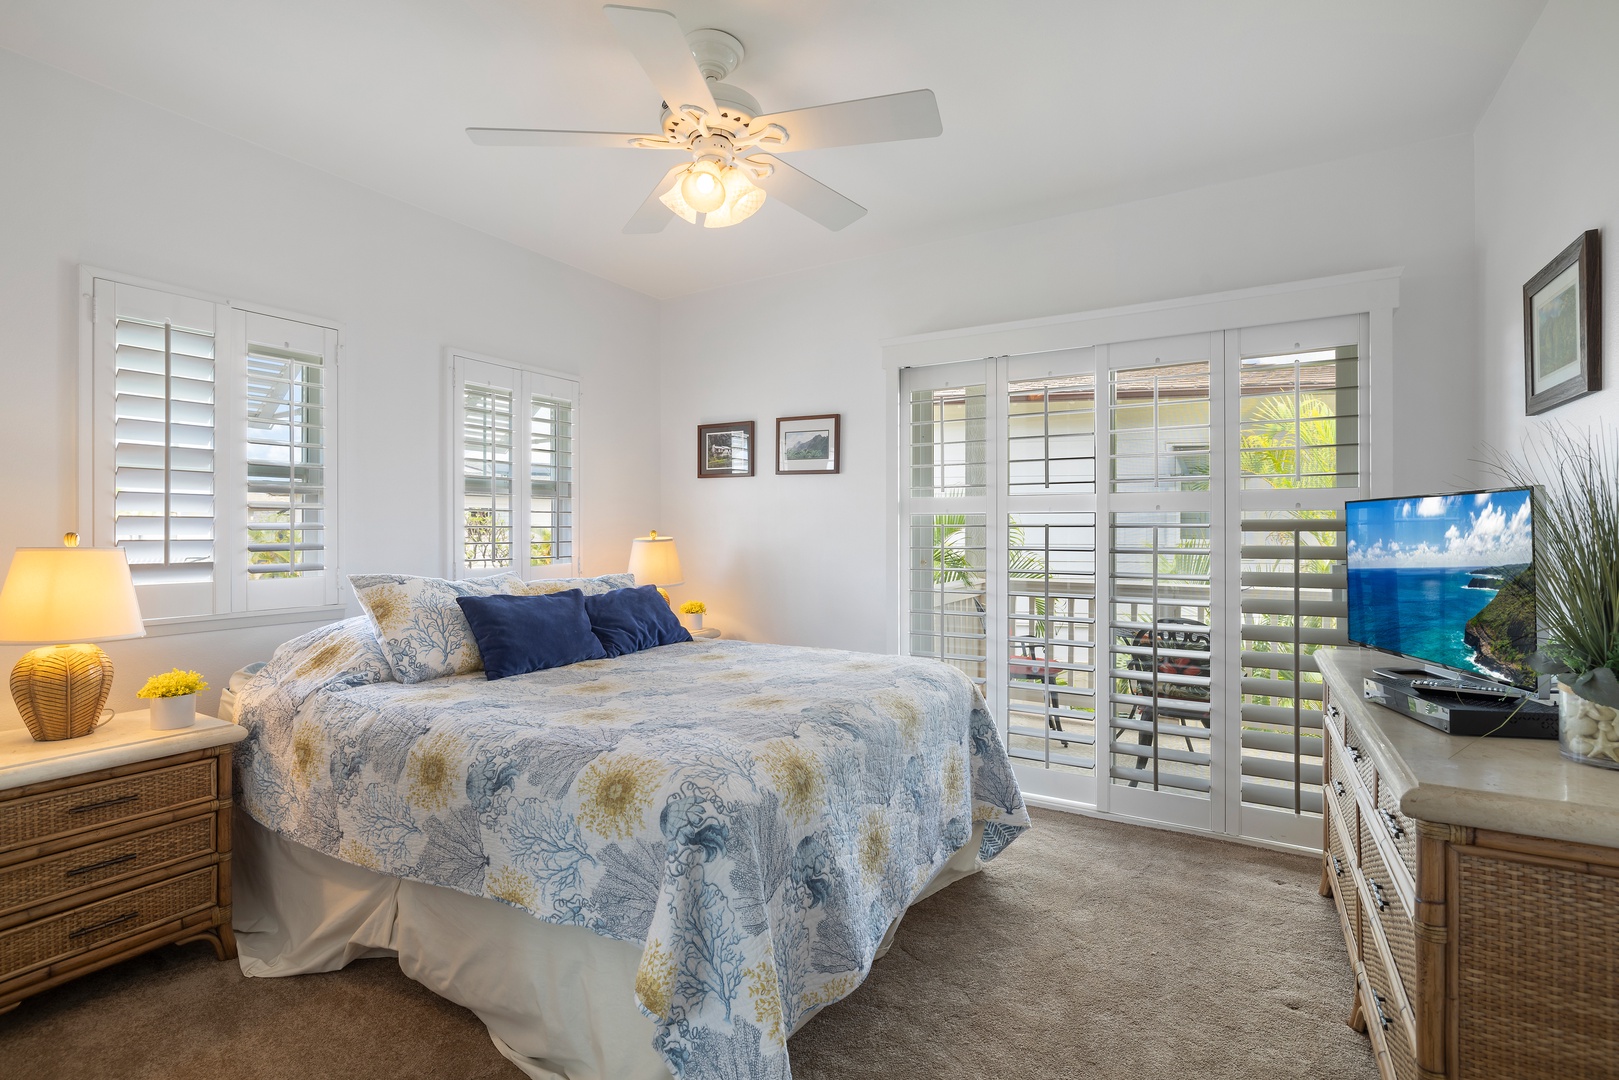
111	845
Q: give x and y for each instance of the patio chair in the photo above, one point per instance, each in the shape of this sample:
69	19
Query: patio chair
1182	635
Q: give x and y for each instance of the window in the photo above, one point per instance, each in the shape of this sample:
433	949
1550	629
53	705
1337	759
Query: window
1135	548
208	455
512	426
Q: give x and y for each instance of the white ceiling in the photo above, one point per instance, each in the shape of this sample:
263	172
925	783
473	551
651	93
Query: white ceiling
1049	106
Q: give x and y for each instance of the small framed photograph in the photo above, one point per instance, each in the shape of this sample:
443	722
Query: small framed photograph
807	444
725	449
1562	327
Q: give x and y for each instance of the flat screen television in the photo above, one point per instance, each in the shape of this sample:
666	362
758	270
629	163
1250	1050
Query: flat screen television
1446	579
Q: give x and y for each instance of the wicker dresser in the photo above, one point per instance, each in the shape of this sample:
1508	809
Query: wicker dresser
111	845
1477	884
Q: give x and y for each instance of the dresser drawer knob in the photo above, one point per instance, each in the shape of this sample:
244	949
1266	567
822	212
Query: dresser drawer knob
1353	751
1337	866
1391	823
1383	1020
103	803
77	870
104	924
1338	786
1378	899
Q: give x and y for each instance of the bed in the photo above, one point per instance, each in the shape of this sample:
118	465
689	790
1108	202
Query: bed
658	864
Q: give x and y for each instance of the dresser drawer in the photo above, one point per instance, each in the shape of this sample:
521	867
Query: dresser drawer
55	938
1339	785
1398	828
1385	1012
69	810
1359	760
28	884
1342	867
1388	908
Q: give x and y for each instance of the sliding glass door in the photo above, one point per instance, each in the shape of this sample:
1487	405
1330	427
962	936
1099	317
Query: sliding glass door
1134	548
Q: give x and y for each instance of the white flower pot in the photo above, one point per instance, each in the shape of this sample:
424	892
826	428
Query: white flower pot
692	622
1586	731
174	712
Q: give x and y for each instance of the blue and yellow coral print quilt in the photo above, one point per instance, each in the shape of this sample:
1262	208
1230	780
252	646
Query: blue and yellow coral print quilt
754	816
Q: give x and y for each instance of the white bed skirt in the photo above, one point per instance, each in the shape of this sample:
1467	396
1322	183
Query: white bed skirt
559	1001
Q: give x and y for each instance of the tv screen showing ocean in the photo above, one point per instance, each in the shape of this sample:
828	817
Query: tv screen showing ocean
1447	579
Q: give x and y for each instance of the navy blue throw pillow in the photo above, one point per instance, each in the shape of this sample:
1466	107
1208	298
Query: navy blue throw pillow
518	634
629	620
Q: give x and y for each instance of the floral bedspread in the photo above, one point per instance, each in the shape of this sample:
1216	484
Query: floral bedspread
754	816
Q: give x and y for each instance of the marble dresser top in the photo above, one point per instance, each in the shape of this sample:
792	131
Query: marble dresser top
123	740
1520	786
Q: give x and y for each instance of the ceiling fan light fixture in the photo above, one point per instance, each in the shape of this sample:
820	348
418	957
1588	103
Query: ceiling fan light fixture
742	199
702	188
678	206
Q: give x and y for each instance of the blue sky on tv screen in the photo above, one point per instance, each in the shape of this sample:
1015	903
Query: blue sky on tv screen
1490	528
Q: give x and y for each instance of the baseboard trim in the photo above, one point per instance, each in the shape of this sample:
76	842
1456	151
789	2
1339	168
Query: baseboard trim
1066	806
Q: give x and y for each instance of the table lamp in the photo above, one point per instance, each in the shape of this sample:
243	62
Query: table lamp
66	594
654	561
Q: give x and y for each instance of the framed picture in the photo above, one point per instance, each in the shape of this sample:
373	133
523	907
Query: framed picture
807	444
725	449
1562	327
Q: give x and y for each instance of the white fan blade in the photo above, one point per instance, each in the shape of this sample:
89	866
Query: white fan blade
655	39
541	137
912	115
653	215
808	196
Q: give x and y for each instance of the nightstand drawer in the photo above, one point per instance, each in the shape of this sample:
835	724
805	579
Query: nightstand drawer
96	924
29	884
69	810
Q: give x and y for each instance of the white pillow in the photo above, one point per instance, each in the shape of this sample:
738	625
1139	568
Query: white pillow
419	625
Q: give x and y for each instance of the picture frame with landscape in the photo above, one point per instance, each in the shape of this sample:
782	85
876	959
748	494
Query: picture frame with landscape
1562	327
808	444
725	449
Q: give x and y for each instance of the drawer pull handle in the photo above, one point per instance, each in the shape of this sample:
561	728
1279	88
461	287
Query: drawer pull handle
1383	1020
1338	786
104	803
77	870
1392	824
1353	751
1378	899
104	924
1337	866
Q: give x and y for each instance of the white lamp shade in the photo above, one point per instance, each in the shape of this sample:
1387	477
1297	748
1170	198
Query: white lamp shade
61	595
654	560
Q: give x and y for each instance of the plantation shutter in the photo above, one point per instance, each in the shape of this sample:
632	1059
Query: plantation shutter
1161	610
1299	457
513	426
288	387
160	474
948	527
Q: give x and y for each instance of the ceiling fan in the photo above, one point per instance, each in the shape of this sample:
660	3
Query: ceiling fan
731	147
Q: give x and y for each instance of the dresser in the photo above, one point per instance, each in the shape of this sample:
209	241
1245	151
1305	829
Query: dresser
1477	887
111	845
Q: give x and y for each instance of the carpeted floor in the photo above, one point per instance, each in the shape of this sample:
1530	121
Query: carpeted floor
1088	949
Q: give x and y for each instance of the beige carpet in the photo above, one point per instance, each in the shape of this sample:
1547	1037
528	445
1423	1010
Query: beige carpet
1089	950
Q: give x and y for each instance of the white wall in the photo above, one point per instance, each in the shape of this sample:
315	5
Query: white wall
803	559
90	176
1547	169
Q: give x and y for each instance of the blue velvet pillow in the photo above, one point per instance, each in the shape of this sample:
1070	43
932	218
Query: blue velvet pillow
629	620
518	634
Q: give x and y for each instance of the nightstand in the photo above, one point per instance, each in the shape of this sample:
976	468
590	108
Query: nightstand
111	845
706	632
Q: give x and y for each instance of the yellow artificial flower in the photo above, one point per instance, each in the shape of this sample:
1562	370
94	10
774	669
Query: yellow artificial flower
174	683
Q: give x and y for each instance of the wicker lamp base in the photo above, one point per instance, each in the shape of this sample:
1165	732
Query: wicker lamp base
60	690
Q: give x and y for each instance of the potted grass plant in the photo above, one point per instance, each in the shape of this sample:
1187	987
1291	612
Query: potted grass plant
1576	475
173	697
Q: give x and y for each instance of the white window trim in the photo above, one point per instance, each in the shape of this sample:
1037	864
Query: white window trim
450	496
230	610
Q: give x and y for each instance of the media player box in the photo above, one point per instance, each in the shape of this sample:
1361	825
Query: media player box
1461	713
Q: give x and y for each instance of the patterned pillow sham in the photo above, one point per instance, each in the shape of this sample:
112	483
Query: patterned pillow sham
590	586
421	630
